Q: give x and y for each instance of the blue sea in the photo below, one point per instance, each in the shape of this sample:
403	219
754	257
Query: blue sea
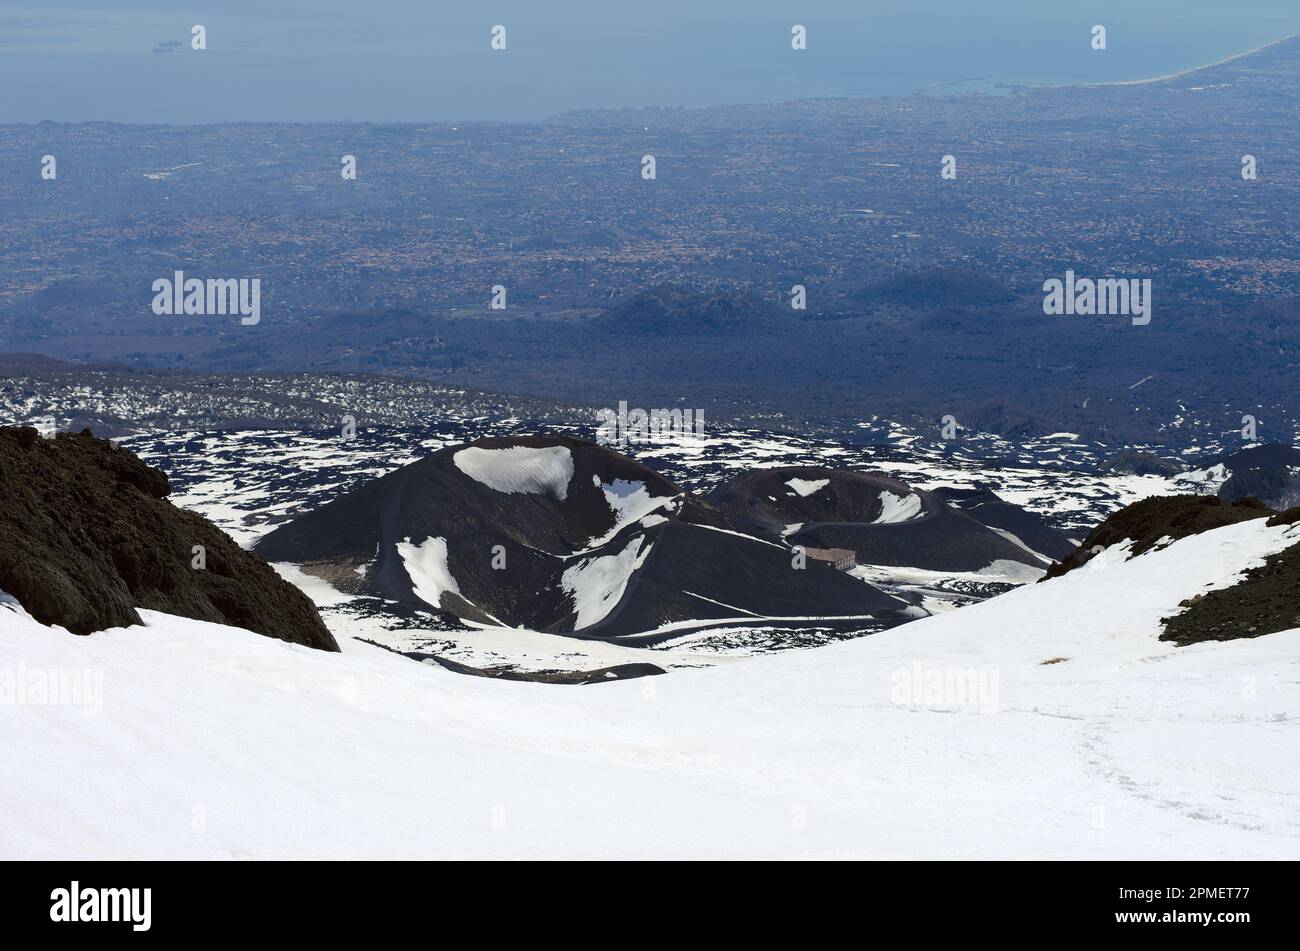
422	60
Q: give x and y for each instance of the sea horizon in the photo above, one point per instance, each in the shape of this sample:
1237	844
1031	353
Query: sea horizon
137	66
991	85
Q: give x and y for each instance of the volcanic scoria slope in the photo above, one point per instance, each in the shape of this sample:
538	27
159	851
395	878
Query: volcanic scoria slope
556	534
887	522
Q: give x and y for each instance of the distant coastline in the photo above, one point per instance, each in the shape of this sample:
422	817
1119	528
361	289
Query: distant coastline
1000	86
990	85
1194	69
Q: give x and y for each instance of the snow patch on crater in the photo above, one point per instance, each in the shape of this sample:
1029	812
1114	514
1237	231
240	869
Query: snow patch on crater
806	487
537	471
426	565
597	584
898	508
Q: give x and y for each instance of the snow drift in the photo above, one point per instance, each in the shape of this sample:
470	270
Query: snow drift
1049	722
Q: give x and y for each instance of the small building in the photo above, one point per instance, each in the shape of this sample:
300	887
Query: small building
839	558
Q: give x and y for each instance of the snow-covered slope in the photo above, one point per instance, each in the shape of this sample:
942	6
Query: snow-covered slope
1048	722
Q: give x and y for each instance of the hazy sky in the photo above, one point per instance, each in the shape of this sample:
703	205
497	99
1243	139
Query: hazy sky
308	60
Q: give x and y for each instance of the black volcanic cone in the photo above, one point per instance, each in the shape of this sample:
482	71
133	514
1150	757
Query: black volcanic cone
572	563
986	507
882	520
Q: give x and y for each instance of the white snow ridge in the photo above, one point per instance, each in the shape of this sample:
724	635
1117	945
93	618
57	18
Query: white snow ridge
540	471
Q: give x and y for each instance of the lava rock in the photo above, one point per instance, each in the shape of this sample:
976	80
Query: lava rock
87	536
1263	602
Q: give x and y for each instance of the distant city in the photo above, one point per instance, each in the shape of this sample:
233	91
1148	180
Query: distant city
480	253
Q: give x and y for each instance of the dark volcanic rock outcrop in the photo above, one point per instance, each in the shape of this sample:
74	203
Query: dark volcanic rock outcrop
560	535
87	536
1266	600
1165	516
